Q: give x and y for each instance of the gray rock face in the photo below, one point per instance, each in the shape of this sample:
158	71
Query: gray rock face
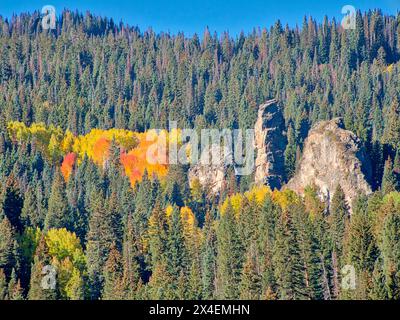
212	168
270	143
332	156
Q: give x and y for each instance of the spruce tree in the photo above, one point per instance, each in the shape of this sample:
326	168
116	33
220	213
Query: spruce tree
361	249
39	288
13	202
58	215
176	254
131	258
391	254
208	261
100	239
265	239
113	274
7	258
229	256
250	284
3	285
389	181
289	268
338	220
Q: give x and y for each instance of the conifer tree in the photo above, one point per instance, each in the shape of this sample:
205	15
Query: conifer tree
7	258
58	215
131	258
12	203
250	285
39	287
229	256
176	255
361	248
100	239
113	274
3	285
267	221
389	181
208	261
194	283
391	254
339	219
289	269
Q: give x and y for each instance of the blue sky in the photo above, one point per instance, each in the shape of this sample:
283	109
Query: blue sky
192	16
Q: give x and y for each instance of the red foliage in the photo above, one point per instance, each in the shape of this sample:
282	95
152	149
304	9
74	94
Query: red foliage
68	165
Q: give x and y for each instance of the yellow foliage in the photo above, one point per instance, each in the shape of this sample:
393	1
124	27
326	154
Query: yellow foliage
63	244
390	68
258	193
188	218
135	147
285	197
168	211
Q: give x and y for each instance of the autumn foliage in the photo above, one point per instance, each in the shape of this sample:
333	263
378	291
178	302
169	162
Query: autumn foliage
68	165
139	152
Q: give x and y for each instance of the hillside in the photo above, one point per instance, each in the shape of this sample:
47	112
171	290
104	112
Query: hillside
82	105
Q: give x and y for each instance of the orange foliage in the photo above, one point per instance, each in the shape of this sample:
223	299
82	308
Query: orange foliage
67	165
145	157
101	151
139	151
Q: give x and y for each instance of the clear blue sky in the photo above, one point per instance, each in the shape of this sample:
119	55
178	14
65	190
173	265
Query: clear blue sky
192	16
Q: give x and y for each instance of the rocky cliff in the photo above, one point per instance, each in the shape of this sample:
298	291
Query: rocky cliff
332	156
270	143
211	175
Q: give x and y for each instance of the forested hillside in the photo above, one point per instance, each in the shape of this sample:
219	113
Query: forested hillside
77	194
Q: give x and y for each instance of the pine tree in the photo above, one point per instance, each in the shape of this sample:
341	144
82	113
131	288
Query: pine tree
229	256
3	285
13	202
310	251
39	288
389	181
58	215
176	254
391	254
361	248
378	290
113	273
250	285
392	129
29	213
267	221
7	258
289	269
131	258
339	219
157	235
208	263
194	283
100	239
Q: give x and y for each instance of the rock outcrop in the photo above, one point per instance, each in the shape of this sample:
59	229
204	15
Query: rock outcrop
270	143
333	156
211	175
